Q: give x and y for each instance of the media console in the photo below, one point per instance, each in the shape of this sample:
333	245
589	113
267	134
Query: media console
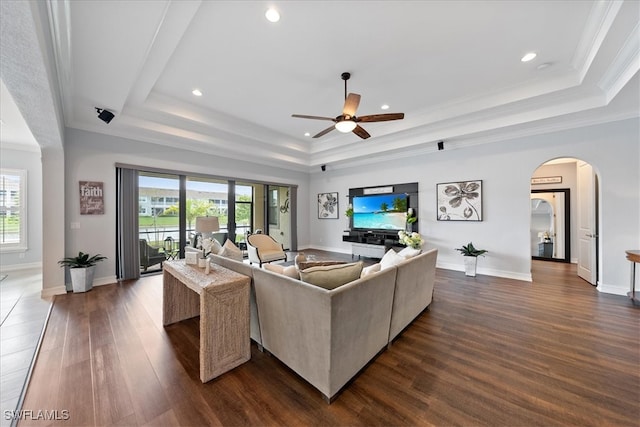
377	213
371	244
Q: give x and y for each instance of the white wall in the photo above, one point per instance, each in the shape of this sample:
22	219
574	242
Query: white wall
92	157
29	161
506	169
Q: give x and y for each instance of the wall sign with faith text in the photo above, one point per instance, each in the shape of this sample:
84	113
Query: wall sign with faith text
91	198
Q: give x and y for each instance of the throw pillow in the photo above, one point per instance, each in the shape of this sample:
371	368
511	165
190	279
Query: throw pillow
230	250
308	264
370	269
332	276
409	252
289	271
390	259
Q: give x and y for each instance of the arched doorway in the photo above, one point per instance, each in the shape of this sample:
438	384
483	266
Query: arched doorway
569	189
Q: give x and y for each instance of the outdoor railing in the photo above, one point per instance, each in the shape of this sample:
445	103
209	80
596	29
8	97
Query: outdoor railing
155	236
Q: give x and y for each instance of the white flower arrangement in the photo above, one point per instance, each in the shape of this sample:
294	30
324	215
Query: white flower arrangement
413	240
206	246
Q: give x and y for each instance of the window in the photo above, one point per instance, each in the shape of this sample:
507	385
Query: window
13	210
244	210
274	214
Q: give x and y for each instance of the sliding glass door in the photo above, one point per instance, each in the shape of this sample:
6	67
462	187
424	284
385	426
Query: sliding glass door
244	212
158	219
279	214
165	205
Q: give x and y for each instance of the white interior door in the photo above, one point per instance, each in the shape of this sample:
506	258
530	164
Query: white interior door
586	223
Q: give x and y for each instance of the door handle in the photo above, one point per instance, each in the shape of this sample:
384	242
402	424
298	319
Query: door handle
592	235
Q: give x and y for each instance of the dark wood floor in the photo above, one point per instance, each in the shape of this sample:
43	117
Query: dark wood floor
490	351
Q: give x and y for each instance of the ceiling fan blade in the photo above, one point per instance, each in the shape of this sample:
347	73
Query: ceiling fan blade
381	117
351	104
324	132
302	116
358	130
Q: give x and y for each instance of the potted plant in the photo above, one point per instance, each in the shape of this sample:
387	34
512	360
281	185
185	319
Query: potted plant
81	269
471	255
349	214
411	219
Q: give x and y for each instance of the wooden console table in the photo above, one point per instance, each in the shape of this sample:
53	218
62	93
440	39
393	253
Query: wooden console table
634	257
221	299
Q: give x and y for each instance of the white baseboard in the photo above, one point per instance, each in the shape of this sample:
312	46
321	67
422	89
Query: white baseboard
25	266
611	289
525	277
56	290
61	290
101	281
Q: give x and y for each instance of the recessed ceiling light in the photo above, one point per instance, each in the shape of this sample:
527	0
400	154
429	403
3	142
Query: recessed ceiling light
528	57
272	15
307	134
196	92
543	65
384	107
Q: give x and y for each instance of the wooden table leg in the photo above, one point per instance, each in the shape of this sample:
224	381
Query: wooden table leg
224	329
179	302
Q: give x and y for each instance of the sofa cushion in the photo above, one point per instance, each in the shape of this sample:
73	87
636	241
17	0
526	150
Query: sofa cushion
370	269
268	255
390	259
332	276
409	252
230	250
289	271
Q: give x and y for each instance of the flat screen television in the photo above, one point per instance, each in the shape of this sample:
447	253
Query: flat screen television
380	211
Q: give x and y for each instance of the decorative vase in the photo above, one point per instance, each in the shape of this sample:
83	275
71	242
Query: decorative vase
470	263
82	278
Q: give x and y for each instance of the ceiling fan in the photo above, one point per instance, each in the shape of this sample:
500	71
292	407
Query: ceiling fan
348	121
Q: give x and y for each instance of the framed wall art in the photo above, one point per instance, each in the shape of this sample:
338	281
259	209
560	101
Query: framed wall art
91	198
328	205
460	201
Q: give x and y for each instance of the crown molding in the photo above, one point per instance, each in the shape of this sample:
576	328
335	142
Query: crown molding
625	65
598	24
20	147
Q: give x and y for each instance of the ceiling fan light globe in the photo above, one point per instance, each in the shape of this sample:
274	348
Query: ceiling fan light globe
345	126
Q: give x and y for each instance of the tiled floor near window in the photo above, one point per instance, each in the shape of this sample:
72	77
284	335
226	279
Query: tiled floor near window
23	314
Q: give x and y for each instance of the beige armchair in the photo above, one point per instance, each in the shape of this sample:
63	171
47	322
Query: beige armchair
263	248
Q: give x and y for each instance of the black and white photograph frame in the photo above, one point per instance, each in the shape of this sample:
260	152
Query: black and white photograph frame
460	201
328	205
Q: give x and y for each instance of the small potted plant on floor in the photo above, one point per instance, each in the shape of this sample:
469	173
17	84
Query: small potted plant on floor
471	255
81	269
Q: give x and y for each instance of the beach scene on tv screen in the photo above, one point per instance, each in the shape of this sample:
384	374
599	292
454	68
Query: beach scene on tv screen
380	212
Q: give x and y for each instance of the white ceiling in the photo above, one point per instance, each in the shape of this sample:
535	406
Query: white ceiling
453	68
14	132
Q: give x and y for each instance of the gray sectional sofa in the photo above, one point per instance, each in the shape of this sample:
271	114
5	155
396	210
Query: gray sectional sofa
328	336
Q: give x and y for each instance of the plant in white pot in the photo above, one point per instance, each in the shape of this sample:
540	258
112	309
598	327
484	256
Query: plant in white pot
471	255
82	268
